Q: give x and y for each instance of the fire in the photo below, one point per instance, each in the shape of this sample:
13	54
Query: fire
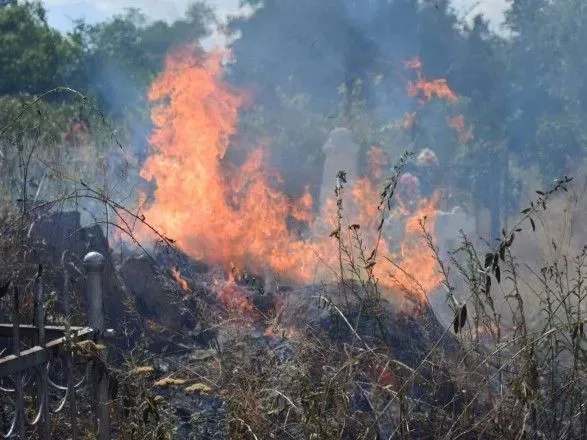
376	160
213	211
181	281
384	378
236	216
234	297
458	124
437	88
419	273
414	268
428	89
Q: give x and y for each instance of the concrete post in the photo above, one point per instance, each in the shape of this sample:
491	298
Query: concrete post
94	263
341	153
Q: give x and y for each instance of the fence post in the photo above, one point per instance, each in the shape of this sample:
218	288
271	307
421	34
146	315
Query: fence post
70	378
19	426
44	417
94	263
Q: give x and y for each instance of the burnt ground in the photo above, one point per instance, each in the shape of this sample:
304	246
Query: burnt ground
189	333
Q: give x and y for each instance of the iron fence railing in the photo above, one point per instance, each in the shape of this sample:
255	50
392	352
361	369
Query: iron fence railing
35	394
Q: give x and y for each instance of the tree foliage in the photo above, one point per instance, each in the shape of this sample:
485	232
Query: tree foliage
122	55
114	61
313	65
545	85
33	56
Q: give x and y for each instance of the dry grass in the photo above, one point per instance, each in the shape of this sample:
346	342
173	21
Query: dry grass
510	376
511	365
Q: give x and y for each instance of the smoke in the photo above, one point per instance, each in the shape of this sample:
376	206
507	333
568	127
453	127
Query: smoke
293	57
296	56
122	97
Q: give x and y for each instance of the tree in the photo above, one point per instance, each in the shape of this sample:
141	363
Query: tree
7	3
33	57
485	160
346	58
547	94
123	54
311	47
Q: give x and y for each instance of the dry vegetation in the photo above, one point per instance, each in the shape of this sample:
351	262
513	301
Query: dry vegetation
326	366
336	375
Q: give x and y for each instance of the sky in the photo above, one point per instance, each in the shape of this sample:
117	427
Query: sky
63	12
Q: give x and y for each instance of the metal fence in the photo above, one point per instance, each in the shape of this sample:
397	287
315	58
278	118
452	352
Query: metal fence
30	392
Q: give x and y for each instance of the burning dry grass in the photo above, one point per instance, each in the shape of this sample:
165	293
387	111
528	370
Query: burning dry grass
238	216
341	361
338	362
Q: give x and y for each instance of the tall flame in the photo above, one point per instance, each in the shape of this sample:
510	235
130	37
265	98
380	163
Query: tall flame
214	213
230	215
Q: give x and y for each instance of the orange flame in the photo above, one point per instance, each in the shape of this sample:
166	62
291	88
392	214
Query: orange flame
181	281
419	272
428	89
234	297
376	160
458	124
384	378
237	216
215	214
